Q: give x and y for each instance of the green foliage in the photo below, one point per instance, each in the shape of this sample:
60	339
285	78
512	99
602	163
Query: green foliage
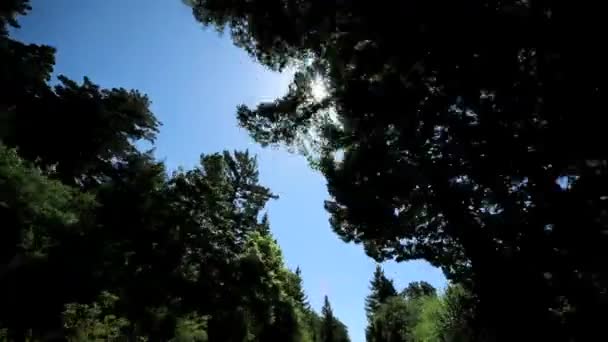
425	318
425	312
390	322
35	208
457	316
191	329
94	322
486	162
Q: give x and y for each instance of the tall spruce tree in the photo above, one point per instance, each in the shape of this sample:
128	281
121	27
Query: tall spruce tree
381	289
327	322
331	329
296	290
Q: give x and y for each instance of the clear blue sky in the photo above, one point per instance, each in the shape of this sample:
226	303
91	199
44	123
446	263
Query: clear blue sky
195	79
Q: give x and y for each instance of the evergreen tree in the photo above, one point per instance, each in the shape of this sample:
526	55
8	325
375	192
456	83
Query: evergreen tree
425	318
381	289
295	289
332	330
328	322
8	12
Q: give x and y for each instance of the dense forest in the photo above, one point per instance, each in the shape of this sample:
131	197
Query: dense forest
486	162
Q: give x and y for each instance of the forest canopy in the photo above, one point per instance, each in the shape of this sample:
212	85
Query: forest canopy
487	162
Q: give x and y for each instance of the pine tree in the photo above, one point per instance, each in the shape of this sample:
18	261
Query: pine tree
295	289
327	322
331	329
381	288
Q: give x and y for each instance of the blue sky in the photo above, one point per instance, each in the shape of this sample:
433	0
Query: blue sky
195	79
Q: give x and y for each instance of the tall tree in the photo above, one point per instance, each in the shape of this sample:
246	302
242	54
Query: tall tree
327	322
81	130
332	330
381	288
487	162
296	290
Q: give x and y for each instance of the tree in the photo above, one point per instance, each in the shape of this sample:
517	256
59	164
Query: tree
457	321
426	312
80	130
391	322
332	330
327	322
94	322
295	289
381	289
41	219
112	121
486	162
419	289
426	318
8	12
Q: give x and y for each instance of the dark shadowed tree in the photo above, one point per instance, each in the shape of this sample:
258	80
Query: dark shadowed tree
487	162
9	10
41	220
81	130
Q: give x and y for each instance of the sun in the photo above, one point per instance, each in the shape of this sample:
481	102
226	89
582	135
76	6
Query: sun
318	90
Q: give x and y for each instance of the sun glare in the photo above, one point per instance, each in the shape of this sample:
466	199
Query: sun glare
319	91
